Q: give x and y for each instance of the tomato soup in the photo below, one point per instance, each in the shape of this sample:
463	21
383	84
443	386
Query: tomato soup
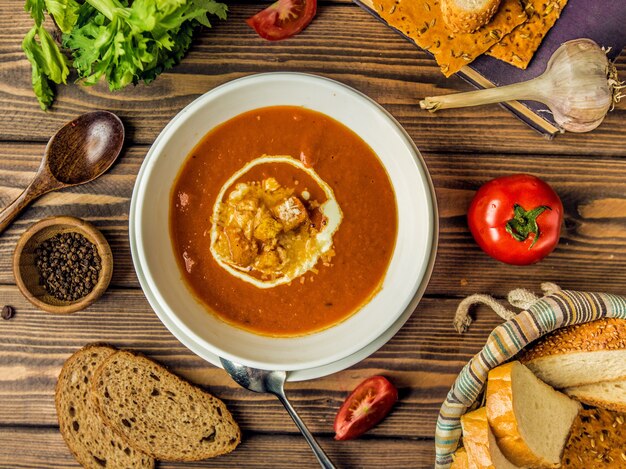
362	245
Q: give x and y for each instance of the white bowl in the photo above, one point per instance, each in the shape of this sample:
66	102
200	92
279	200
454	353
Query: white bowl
315	354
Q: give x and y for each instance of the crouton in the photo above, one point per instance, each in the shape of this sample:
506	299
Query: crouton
268	260
268	228
242	251
291	212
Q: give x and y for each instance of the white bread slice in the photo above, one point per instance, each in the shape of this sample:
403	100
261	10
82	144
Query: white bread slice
531	421
159	413
459	459
581	354
483	451
93	444
466	16
606	394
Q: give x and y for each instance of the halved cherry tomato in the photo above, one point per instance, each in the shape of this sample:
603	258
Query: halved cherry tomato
368	404
283	19
516	219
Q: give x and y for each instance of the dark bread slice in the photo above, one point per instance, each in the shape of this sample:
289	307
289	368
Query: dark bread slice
159	413
93	444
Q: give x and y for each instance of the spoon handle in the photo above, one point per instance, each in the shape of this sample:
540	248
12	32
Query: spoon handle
321	456
36	189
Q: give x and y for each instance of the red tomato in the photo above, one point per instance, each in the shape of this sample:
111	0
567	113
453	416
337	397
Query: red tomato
368	404
283	19
516	219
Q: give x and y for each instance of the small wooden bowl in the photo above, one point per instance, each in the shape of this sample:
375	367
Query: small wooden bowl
26	273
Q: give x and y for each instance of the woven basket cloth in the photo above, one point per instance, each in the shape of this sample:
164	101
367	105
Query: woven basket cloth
559	309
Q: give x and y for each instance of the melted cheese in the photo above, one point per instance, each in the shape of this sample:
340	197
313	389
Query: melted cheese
321	243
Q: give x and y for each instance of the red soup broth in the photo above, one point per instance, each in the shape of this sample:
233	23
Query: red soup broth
363	244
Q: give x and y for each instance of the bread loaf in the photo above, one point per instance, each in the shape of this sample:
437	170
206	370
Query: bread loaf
159	413
582	354
531	421
597	441
93	444
466	16
480	443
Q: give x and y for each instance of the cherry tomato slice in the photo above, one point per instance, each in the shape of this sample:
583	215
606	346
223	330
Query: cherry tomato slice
283	19
367	405
516	219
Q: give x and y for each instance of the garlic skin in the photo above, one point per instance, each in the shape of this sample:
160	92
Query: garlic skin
579	86
575	85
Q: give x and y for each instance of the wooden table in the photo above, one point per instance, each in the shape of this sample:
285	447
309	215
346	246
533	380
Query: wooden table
463	149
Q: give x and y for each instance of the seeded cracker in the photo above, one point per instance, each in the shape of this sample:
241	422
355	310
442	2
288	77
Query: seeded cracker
519	47
421	20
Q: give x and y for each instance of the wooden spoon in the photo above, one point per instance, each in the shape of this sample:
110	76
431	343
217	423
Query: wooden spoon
79	152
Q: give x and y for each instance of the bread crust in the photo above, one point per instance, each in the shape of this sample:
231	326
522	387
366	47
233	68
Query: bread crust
461	20
460	459
614	406
598	439
476	438
483	451
97	397
582	394
501	416
603	334
59	395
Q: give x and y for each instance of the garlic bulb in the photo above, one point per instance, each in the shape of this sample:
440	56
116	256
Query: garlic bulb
580	86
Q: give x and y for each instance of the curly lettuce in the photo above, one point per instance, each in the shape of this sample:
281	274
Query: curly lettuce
124	43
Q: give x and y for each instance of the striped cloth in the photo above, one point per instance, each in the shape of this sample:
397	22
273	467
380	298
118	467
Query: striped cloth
551	312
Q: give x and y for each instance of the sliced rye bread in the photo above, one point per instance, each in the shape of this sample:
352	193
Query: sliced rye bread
466	16
159	413
93	444
531	421
480	443
598	441
606	394
583	354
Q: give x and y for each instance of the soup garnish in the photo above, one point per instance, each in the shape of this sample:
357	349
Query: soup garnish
267	234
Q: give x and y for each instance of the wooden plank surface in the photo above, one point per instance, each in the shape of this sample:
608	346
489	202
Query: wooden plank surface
591	255
344	42
34	346
463	149
44	447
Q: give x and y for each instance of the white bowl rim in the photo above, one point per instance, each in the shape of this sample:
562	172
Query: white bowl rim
313	368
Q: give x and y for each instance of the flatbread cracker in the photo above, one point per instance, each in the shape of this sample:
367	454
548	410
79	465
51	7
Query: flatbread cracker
421	20
519	47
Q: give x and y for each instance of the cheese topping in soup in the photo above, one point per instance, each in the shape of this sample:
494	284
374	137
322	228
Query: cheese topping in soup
267	234
283	245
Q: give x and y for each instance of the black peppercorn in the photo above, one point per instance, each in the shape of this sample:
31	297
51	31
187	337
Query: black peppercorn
68	265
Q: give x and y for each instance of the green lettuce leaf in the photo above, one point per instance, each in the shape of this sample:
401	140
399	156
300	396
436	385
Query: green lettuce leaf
37	9
123	41
47	62
54	60
64	12
128	44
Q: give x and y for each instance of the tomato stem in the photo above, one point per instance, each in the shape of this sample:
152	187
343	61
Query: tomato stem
524	223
